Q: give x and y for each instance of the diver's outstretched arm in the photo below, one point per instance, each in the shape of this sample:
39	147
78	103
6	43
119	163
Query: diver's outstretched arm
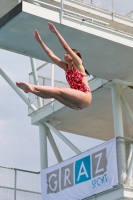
66	47
48	51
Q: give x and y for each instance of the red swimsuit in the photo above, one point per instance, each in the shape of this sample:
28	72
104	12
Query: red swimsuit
74	79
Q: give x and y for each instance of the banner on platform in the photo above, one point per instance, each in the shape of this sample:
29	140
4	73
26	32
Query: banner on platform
84	175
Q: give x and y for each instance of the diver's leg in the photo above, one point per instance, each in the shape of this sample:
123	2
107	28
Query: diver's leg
72	96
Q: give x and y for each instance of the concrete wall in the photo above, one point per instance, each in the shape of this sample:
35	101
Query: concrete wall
6	6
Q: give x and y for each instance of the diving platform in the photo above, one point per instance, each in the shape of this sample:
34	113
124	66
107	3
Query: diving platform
105	41
107	49
106	44
96	121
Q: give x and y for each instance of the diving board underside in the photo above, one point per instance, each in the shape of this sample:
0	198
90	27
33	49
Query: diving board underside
96	121
106	53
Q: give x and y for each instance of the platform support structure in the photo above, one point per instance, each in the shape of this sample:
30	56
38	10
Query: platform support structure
54	146
44	132
43	146
117	111
130	167
128	145
130	159
63	138
17	90
126	106
118	130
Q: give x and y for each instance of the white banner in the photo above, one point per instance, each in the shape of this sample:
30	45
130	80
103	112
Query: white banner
84	175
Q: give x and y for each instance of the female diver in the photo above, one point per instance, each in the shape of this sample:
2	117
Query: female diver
78	96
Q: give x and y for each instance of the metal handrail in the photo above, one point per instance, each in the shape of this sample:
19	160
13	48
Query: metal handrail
42	66
68	12
57	81
14	187
22	170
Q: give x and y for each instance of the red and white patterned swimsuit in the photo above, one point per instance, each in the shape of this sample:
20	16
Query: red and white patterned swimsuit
74	79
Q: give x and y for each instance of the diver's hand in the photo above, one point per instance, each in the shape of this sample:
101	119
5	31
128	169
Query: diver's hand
37	36
52	28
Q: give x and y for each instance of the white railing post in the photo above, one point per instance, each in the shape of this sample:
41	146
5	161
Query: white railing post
35	77
15	183
52	74
52	77
61	11
112	9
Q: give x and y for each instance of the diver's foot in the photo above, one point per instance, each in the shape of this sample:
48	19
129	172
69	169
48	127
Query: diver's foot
25	87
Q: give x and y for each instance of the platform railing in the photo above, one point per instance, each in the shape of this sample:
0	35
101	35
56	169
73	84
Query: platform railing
43	81
17	184
121	7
